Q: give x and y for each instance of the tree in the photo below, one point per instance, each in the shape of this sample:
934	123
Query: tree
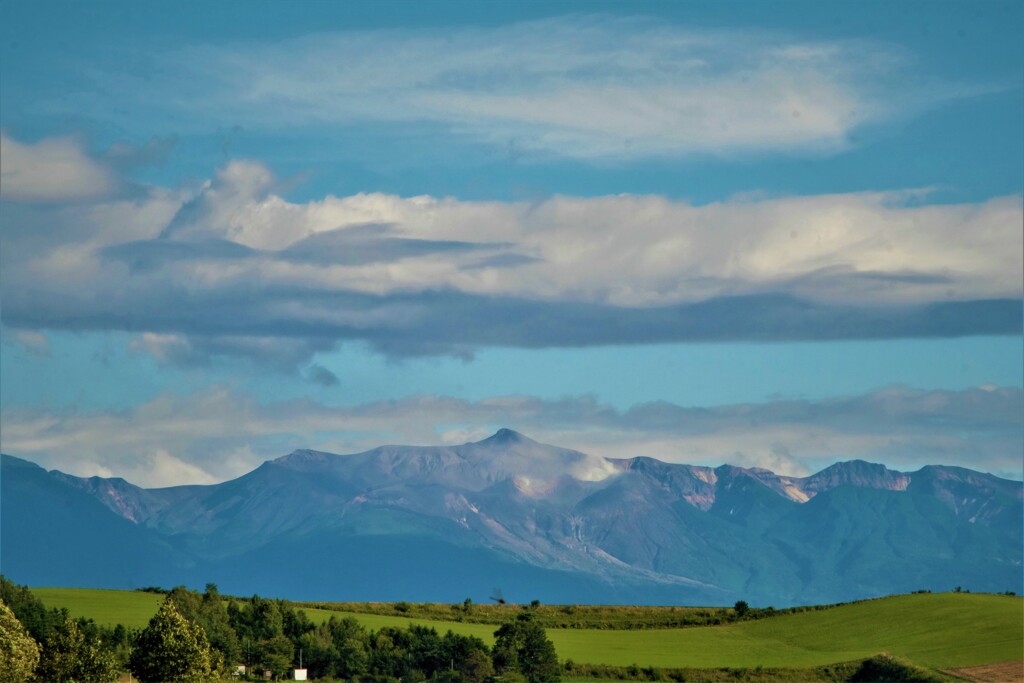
213	617
351	641
476	667
264	619
28	609
73	654
208	611
19	653
320	653
275	654
523	646
171	650
741	608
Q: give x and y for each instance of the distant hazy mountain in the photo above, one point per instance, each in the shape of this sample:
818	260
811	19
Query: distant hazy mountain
535	521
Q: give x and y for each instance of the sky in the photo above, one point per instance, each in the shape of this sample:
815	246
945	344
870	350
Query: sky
774	235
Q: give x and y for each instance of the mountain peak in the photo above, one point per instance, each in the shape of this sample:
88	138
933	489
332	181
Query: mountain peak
857	473
506	436
550	520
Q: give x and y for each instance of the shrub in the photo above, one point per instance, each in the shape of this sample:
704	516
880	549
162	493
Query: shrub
885	667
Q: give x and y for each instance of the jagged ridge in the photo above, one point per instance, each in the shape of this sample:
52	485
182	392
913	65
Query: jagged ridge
638	526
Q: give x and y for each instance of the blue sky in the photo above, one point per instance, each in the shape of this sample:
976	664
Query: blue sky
417	222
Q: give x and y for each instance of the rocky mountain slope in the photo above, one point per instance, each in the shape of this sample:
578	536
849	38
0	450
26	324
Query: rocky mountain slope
537	521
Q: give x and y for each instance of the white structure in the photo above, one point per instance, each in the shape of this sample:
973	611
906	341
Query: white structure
300	674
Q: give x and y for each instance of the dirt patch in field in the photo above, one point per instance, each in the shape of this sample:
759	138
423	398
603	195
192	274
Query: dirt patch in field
1004	672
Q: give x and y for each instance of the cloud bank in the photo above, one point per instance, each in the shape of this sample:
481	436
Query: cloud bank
218	433
233	268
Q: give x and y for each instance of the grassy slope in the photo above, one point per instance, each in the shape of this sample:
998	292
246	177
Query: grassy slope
548	616
108	607
375	621
936	630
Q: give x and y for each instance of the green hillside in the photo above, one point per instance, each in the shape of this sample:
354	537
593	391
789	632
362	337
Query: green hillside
936	630
132	609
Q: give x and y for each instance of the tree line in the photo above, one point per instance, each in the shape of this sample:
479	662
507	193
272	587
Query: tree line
196	637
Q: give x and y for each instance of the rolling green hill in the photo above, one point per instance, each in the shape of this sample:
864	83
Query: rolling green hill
132	609
936	630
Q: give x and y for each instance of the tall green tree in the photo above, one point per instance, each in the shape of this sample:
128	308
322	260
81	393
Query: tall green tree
319	651
172	649
275	654
209	611
73	655
523	646
29	610
351	641
19	653
256	619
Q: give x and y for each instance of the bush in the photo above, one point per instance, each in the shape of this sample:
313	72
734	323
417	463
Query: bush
884	667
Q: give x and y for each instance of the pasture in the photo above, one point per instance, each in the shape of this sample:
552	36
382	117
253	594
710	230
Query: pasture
132	609
940	630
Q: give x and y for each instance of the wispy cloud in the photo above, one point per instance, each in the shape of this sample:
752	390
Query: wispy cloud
218	433
576	86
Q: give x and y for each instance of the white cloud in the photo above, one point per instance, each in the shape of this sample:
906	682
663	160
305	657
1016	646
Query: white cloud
163	469
879	247
218	433
233	268
154	469
578	86
51	170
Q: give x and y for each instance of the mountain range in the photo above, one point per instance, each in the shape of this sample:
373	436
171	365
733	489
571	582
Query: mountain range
530	520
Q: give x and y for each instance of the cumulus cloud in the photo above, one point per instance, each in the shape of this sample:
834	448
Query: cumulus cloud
219	433
624	250
52	170
233	268
577	86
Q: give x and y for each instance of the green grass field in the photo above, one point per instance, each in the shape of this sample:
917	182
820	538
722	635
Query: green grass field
936	630
939	630
130	608
376	621
548	616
